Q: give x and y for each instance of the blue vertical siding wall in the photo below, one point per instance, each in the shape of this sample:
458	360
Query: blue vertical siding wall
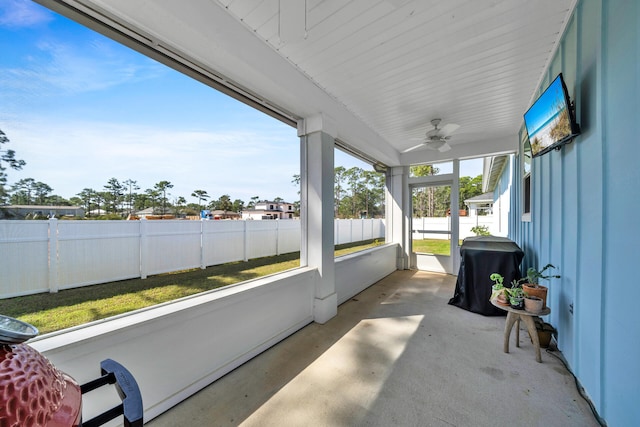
585	206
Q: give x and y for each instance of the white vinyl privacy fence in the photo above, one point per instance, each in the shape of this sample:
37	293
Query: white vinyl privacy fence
440	228
50	255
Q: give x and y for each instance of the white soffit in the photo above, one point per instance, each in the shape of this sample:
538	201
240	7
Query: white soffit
381	69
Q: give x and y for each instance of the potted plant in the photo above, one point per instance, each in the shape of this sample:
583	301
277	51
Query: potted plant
545	332
531	285
498	291
516	295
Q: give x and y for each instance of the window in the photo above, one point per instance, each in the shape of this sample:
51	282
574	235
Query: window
358	188
99	113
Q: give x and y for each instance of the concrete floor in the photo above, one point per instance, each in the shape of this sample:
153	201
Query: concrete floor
395	355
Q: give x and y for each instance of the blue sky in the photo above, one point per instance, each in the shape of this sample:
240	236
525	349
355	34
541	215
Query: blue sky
81	109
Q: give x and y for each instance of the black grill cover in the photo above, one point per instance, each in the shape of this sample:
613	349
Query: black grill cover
479	258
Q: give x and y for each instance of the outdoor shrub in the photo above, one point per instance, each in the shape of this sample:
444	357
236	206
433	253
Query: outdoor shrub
481	230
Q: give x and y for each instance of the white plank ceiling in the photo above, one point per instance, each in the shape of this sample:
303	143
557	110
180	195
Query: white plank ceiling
391	65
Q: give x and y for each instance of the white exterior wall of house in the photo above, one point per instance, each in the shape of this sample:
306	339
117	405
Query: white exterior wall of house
502	206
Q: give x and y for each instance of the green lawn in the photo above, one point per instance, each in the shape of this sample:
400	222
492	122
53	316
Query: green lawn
431	246
72	307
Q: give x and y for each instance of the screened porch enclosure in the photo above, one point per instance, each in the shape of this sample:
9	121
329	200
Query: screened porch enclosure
369	79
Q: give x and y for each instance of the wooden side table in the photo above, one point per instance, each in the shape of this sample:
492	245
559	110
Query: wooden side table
513	317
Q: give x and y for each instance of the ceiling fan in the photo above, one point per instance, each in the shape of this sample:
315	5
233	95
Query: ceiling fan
436	138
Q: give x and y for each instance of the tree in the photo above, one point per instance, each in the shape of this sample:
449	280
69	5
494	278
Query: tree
353	177
162	187
100	197
131	185
223	203
469	187
141	201
86	195
41	193
8	158
373	194
238	206
253	202
28	191
358	192
424	200
113	195
152	196
338	176
296	182
23	191
76	201
178	205
200	195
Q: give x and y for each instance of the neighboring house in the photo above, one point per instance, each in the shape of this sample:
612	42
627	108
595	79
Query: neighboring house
145	212
39	211
270	210
481	203
150	213
498	183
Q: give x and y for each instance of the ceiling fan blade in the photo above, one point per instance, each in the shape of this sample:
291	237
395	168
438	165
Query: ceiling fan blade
449	128
413	148
444	147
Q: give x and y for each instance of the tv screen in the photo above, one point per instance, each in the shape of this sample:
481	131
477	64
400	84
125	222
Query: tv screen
549	121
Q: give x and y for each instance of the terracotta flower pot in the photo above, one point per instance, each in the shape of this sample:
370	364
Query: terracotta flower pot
503	300
533	304
536	291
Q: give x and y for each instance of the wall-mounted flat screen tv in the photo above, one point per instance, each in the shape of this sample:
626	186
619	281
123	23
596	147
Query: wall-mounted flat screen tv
550	121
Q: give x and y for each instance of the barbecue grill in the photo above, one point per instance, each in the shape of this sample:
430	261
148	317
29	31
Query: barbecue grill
34	393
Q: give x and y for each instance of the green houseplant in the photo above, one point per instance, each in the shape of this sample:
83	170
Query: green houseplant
531	282
498	291
516	295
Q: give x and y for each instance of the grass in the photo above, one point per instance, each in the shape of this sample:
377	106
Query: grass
72	307
432	246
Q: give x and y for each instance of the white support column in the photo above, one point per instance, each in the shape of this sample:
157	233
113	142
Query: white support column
317	141
455	217
397	213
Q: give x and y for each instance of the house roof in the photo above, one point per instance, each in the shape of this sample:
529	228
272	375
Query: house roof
482	198
492	171
146	211
275	203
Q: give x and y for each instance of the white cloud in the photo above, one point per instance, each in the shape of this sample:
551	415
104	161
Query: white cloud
72	156
22	13
60	68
